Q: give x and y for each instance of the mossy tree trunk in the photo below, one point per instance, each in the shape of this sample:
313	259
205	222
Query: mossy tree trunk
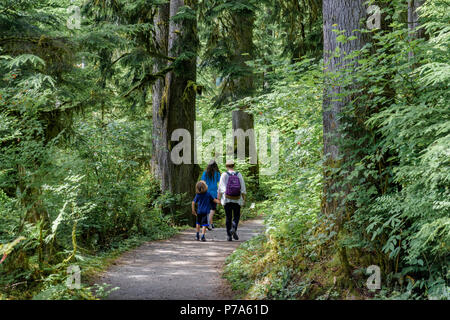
159	141
174	100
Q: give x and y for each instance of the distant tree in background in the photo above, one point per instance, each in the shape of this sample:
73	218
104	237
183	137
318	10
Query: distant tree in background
229	27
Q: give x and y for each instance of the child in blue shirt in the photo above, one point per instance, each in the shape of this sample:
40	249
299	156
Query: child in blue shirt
203	199
212	177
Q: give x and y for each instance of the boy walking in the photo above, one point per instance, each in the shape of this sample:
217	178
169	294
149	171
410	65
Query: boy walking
232	194
203	199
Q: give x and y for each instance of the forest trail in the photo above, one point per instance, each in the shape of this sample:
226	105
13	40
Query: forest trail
177	268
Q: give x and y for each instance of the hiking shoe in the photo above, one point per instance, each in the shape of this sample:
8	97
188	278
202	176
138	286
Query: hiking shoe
233	233
209	228
197	237
212	226
229	238
203	238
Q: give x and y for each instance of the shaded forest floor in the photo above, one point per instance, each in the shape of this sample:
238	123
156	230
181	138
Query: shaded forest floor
177	268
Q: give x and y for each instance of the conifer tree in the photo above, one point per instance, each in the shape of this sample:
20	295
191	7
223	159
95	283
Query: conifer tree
176	109
340	20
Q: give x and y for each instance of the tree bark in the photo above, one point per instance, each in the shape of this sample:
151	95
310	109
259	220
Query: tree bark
160	136
266	84
345	15
341	15
174	104
413	18
413	22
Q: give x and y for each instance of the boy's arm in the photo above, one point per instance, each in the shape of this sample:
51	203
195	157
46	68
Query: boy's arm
193	209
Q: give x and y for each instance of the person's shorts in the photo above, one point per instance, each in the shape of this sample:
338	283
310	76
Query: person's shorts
213	206
202	219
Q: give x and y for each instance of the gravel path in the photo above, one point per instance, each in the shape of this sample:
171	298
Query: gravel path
177	268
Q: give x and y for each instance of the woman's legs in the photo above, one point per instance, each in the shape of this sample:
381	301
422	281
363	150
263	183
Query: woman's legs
236	217
211	215
207	219
229	217
233	214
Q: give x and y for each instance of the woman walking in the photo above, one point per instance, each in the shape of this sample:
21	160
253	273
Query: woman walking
232	193
212	177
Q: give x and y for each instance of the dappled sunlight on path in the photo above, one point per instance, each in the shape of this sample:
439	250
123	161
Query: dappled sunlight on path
177	268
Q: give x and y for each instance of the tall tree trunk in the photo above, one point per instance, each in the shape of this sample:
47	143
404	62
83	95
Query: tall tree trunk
413	22
413	17
345	15
266	84
160	137
342	15
243	85
174	106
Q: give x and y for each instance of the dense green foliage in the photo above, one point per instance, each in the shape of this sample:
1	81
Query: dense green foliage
402	212
270	266
74	169
76	183
396	214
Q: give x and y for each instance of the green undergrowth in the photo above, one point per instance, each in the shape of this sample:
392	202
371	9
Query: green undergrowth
395	214
261	270
52	285
285	262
